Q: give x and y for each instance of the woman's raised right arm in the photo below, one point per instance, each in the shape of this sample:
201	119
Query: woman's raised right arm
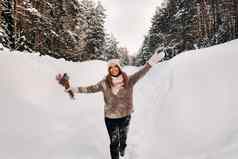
87	89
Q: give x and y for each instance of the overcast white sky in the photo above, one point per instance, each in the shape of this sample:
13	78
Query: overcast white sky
129	20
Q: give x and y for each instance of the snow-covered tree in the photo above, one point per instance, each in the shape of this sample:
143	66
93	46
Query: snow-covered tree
144	53
72	29
181	25
21	42
94	29
110	49
124	55
8	32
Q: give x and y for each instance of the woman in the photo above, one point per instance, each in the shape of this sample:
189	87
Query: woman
117	88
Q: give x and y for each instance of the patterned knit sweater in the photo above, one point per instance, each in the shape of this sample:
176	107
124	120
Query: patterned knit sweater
121	104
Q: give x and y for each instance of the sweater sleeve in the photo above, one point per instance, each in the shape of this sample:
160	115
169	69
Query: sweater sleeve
92	88
139	74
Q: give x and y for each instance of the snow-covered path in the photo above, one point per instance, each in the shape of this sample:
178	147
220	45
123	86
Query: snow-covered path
185	108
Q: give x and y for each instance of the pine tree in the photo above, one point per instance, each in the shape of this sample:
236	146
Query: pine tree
99	29
110	50
158	29
72	29
184	23
144	53
8	25
21	42
123	55
94	29
217	21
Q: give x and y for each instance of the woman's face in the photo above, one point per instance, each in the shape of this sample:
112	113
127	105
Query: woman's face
114	70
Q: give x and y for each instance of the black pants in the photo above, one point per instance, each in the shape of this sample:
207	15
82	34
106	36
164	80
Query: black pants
117	130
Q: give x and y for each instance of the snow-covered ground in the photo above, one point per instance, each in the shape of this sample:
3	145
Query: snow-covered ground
185	108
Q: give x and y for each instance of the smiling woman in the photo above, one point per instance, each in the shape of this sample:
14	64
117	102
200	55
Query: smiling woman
129	22
114	71
117	88
117	92
114	68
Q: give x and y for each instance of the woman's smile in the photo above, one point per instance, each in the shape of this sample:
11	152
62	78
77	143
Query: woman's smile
114	70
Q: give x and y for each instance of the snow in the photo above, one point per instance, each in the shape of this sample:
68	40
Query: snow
54	33
184	108
1	48
34	11
72	35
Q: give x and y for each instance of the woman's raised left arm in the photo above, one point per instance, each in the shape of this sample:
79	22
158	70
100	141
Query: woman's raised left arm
156	58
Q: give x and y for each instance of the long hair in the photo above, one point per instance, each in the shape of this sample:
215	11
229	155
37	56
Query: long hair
109	78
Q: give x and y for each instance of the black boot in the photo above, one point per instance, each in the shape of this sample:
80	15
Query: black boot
114	153
122	152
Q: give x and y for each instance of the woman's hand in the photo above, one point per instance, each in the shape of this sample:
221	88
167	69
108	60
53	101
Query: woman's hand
156	58
72	89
